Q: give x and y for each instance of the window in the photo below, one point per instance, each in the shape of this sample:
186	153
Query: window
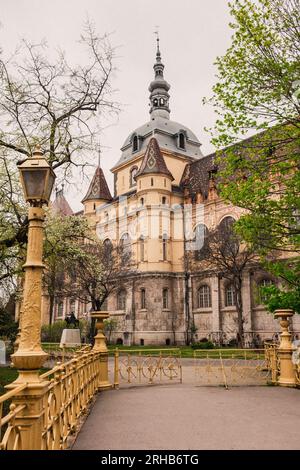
230	243
94	206
152	182
107	248
164	200
121	300
135	144
165	294
165	246
142	248
125	243
262	297
143	298
72	305
133	172
60	308
204	297
142	342
229	296
142	201
181	141
201	239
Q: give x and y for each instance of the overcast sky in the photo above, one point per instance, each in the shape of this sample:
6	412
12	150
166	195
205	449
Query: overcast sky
192	34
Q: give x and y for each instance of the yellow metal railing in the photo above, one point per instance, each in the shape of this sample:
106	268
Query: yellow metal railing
148	366
69	388
232	367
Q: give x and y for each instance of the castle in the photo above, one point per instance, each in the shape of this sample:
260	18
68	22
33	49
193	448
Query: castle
162	170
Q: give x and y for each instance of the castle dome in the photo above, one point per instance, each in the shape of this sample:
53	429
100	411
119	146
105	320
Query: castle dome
170	135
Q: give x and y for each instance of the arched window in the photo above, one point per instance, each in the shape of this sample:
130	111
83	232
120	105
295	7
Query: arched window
72	306
143	298
201	235
165	297
142	201
125	245
181	141
133	172
135	144
226	224
107	248
229	240
60	308
204	297
121	299
164	200
262	297
142	248
165	246
229	296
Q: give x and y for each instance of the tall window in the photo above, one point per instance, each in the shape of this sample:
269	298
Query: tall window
165	295
143	298
262	297
133	172
125	245
121	299
142	248
135	144
181	141
152	182
201	236
72	305
107	248
204	297
165	246
229	296
60	308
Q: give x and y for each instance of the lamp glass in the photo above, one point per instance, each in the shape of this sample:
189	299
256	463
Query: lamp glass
34	182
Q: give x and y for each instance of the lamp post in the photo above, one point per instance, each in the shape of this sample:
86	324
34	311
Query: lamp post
37	179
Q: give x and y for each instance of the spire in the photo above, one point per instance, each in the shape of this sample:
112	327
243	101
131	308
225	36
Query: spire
98	188
60	205
159	87
153	161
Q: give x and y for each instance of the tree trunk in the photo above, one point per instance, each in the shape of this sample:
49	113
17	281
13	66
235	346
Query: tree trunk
239	306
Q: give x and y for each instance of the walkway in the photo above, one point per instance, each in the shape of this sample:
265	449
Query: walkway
187	417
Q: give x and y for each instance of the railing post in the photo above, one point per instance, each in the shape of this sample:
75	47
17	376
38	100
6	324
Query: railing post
101	348
287	377
116	372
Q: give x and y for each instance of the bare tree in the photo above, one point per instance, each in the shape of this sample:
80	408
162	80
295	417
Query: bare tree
224	253
47	100
97	272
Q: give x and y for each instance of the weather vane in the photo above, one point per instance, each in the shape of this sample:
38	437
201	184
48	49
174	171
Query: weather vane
156	32
99	155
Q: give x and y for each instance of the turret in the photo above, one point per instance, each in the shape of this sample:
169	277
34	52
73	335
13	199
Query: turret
98	193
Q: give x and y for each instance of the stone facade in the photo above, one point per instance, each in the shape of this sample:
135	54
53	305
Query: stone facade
160	173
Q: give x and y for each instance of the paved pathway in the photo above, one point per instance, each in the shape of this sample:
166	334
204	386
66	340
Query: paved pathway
187	417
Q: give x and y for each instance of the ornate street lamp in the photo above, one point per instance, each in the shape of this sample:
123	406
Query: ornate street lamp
37	179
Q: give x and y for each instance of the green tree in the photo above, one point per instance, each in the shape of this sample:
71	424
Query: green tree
64	236
257	92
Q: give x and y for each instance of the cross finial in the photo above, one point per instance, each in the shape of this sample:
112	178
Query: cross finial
156	32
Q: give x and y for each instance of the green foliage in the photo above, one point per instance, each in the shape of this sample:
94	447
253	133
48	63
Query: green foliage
258	90
203	345
8	327
52	333
276	298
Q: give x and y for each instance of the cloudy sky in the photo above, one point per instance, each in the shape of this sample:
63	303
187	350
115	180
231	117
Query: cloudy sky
192	34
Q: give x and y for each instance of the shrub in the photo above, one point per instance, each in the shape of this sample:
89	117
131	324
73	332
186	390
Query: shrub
52	333
203	345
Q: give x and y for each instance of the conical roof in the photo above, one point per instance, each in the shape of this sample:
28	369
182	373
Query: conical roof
98	188
60	205
153	161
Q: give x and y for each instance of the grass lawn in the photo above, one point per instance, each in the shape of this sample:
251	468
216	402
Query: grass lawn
7	376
